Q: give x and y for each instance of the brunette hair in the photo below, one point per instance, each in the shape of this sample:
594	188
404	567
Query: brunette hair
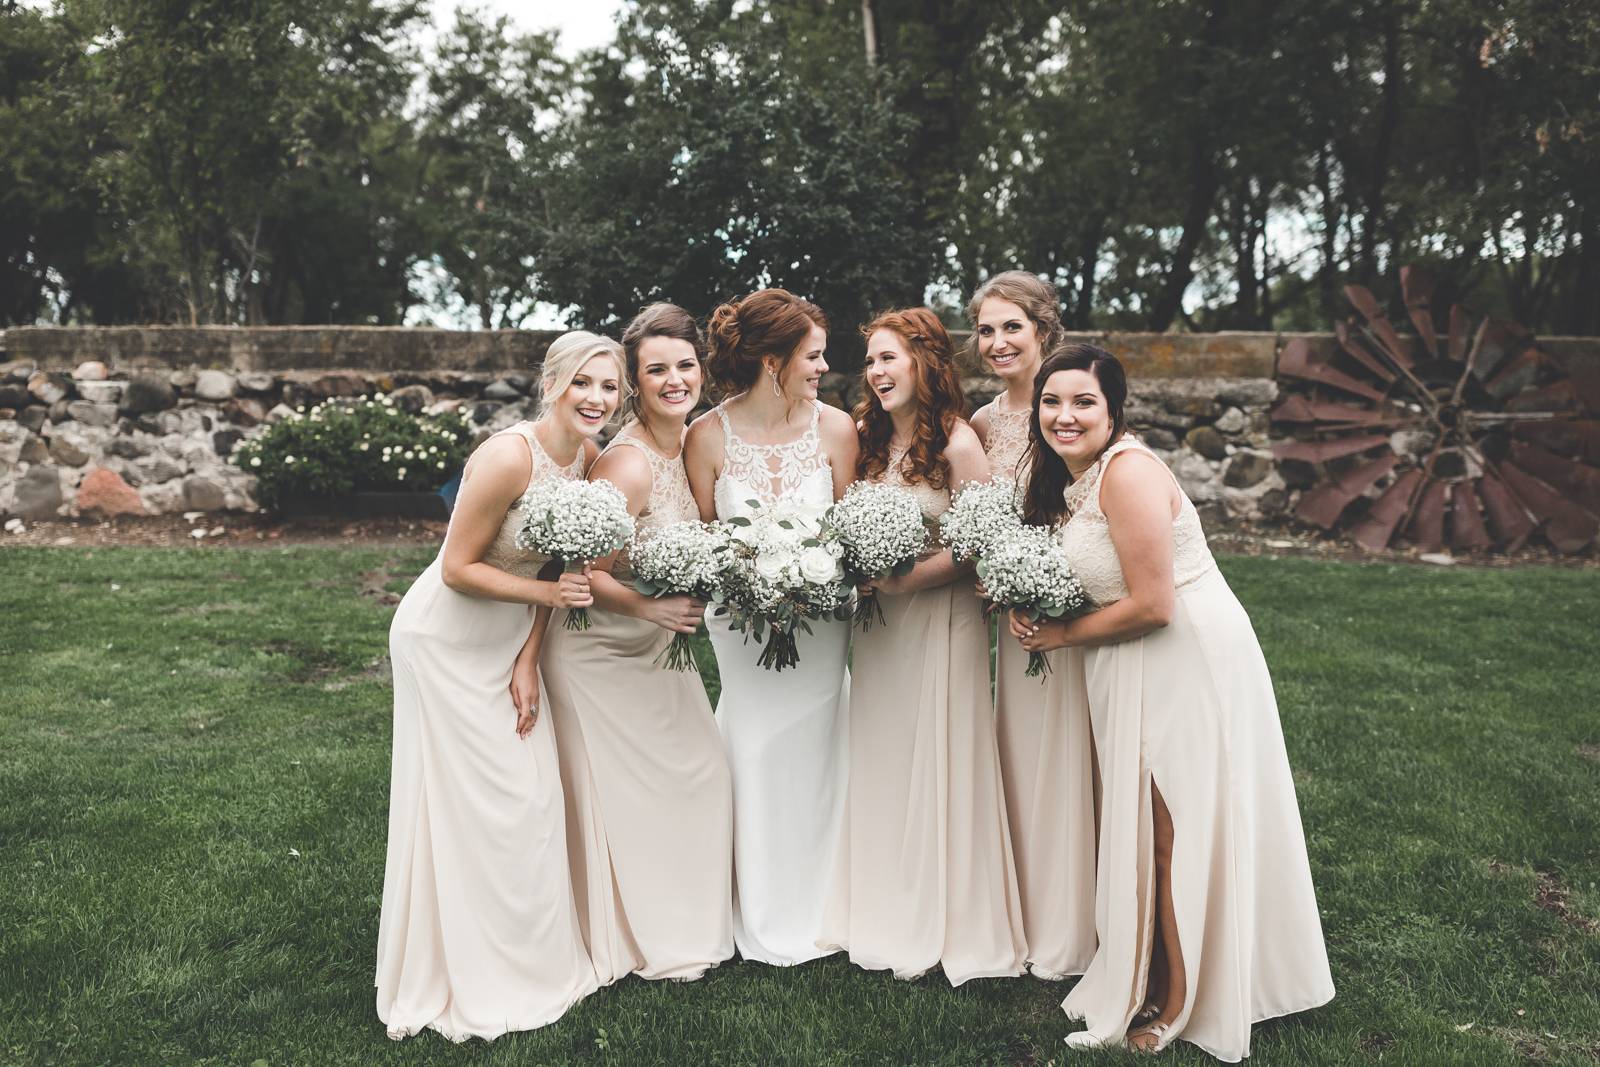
938	393
657	320
769	322
1044	503
1036	297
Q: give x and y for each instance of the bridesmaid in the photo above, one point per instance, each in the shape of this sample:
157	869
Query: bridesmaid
927	876
773	441
1046	759
649	801
1205	910
478	934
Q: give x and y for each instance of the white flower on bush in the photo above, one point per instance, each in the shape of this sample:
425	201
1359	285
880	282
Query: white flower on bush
288	460
255	461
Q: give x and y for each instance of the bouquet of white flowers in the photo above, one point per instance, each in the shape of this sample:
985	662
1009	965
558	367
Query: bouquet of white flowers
881	531
1027	569
686	557
574	522
784	575
980	514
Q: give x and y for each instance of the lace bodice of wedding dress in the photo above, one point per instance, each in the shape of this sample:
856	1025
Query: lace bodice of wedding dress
796	472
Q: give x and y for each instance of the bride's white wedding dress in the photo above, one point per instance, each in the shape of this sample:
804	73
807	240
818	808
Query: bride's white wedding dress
786	733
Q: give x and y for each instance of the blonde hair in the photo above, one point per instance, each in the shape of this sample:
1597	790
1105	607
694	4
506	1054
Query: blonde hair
1036	297
567	355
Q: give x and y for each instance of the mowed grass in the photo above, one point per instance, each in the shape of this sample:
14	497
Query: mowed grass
194	767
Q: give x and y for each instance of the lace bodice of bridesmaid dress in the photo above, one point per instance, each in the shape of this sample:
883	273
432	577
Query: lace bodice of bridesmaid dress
670	501
1086	535
934	502
1006	442
503	551
796	472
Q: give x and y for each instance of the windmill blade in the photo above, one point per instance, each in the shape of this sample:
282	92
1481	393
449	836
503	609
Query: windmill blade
1578	482
1377	529
1568	437
1378	323
1460	333
1356	350
1324	504
1298	361
1569	527
1416	288
1559	396
1495	343
1508	519
1322	451
1522	371
1426	529
1296	408
1467	532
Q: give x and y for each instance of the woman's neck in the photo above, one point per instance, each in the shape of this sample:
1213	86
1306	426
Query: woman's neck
561	443
765	407
904	420
1019	391
665	435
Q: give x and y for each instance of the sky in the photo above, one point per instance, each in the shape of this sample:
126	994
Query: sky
582	23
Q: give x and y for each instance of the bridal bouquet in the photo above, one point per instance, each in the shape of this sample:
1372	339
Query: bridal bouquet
783	576
1027	569
980	515
575	523
686	557
880	529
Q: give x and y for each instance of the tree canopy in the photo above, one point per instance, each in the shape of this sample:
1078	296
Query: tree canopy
1200	164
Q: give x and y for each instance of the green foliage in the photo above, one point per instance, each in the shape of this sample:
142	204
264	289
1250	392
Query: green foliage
342	446
175	722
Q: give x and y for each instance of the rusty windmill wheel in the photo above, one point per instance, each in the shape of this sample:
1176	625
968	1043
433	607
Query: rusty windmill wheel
1475	439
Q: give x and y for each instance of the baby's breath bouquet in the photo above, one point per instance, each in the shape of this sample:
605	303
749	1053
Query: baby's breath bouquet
1027	569
784	575
685	557
575	522
981	514
881	531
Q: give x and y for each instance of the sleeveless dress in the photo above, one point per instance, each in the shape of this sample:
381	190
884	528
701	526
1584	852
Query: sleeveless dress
786	734
478	934
926	876
1047	764
649	800
1190	708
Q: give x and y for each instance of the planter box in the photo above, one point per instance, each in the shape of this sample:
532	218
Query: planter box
366	505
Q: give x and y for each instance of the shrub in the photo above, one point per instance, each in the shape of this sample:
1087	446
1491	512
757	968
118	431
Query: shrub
343	446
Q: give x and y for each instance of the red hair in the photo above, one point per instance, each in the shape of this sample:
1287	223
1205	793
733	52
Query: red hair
768	322
940	401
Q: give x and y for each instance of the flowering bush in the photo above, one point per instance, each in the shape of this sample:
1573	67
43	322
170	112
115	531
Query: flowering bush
346	445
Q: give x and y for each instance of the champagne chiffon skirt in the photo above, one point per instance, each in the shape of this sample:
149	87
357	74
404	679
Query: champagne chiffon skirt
926	876
1047	764
1190	709
649	800
478	934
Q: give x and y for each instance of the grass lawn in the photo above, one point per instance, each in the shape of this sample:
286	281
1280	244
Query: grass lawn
194	766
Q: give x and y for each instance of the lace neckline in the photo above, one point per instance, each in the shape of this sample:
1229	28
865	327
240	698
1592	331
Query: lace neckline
806	435
529	431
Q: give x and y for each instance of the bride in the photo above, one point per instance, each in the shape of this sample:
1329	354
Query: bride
773	440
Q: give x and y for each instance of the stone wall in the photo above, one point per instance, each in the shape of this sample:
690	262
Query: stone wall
141	420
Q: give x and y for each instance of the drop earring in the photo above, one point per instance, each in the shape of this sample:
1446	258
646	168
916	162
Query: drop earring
776	391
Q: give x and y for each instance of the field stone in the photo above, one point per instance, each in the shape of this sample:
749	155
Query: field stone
215	386
12	438
17	370
1206	441
484	411
182	379
91	414
48	386
244	411
162	498
14	395
1231	421
501	390
147	393
1159	439
38	493
34	417
103	491
91	370
1273	502
161	468
34	450
202	494
1195	475
69	450
224	440
1248	392
1246	469
101	392
279	413
412	398
254	381
132	445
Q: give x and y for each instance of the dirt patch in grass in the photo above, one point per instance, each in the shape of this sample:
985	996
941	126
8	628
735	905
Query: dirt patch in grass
1550	894
1589	752
1376	1044
375	584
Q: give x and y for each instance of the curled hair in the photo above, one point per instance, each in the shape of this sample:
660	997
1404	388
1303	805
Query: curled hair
1036	297
1044	503
769	322
940	401
567	355
656	320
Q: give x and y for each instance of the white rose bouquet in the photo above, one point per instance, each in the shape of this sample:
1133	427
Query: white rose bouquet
574	522
980	514
1027	569
881	531
784	575
690	558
